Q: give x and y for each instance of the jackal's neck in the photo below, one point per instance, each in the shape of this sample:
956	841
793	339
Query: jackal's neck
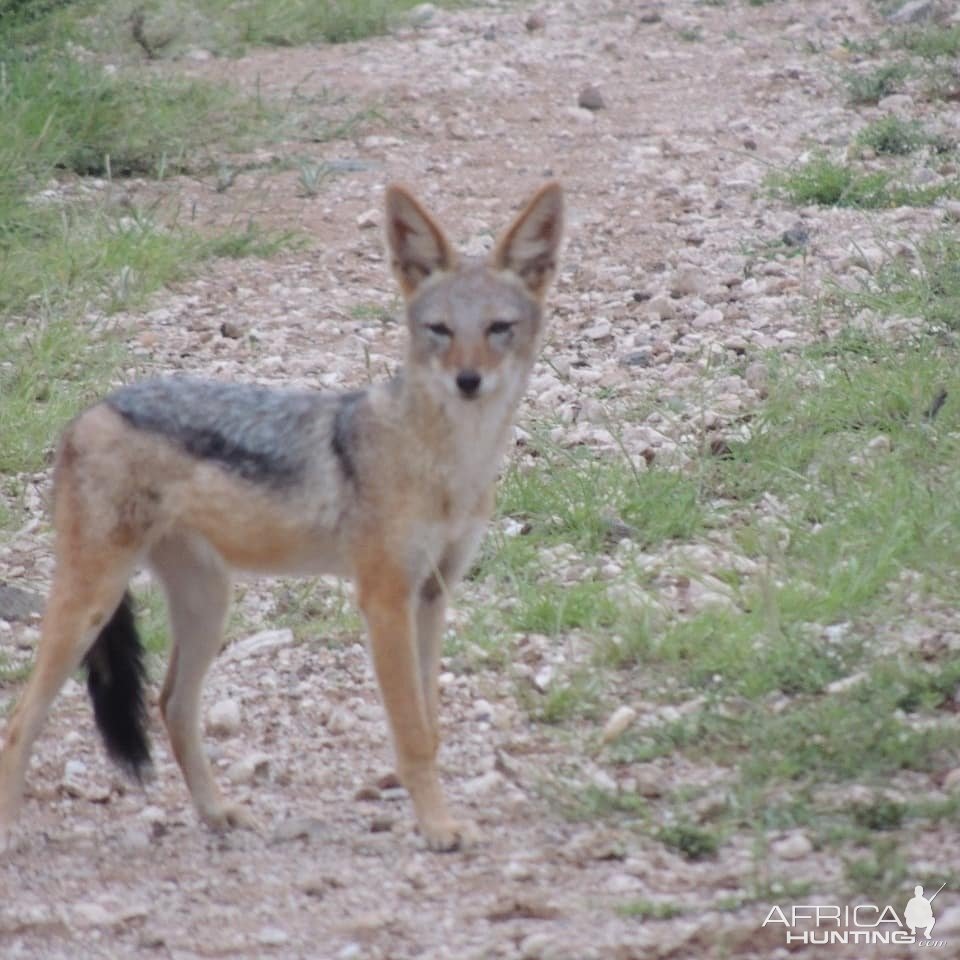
468	430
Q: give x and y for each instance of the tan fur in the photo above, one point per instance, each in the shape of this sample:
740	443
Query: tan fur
427	458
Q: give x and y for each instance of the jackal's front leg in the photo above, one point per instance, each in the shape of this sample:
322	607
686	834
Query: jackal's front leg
387	603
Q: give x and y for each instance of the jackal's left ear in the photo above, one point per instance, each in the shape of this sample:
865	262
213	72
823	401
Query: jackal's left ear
529	247
418	247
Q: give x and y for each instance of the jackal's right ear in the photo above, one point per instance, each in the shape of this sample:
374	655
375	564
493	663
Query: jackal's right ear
418	247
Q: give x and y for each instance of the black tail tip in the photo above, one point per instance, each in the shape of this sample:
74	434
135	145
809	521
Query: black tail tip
116	680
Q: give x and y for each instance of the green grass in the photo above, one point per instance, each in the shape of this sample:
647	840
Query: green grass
59	114
868	88
825	182
928	287
800	685
930	42
68	249
169	28
893	136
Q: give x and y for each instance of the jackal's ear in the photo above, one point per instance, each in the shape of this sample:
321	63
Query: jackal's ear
529	247
418	247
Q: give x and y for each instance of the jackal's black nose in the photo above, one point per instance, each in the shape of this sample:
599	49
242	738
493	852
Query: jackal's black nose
469	382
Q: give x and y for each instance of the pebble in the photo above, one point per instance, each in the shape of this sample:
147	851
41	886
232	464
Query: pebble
265	641
248	769
536	21
601	330
687	281
662	306
591	98
794	846
369	219
272	937
224	718
618	722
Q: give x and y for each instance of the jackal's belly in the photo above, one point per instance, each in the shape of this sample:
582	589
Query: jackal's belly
259	529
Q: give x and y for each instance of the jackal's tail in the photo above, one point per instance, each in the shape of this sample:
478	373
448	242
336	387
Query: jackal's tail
116	680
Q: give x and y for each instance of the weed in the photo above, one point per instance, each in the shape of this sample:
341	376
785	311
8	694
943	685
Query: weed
931	42
691	841
893	135
163	28
644	909
827	183
881	813
927	286
868	88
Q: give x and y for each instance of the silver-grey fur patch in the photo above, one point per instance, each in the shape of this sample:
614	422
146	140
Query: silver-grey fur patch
265	435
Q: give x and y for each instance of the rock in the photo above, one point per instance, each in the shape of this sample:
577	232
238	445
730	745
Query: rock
231	330
757	376
796	236
518	870
661	306
369	219
272	937
536	21
542	946
951	210
914	11
620	719
17	604
601	330
88	913
298	828
486	783
251	768
896	103
794	846
591	99
952	780
709	319
687	281
340	720
482	711
879	446
259	643
421	14
543	678
224	718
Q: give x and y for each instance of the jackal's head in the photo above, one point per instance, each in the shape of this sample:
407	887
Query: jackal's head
475	325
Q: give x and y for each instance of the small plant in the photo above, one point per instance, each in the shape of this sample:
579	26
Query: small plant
868	88
311	176
881	813
692	842
830	184
644	909
930	42
893	135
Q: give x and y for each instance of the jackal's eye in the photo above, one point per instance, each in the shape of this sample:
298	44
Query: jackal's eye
499	327
440	330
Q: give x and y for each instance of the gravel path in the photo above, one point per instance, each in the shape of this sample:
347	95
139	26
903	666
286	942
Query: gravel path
665	293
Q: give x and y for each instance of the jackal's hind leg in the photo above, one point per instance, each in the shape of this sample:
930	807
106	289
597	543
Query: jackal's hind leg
197	587
82	601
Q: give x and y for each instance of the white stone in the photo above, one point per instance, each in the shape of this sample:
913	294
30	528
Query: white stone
224	718
619	720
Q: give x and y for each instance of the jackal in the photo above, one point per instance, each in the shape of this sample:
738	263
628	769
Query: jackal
391	486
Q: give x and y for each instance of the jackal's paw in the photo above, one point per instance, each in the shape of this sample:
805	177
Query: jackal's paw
231	816
446	836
